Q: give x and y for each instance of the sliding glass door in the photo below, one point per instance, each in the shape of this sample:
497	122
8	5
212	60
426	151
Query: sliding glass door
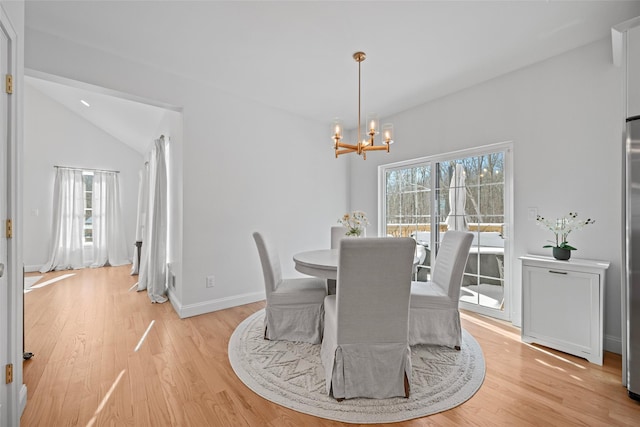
469	191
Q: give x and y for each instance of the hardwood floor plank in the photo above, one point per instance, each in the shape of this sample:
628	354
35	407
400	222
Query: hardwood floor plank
84	330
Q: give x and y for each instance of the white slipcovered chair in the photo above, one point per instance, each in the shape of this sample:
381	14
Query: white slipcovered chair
434	317
294	310
337	233
365	352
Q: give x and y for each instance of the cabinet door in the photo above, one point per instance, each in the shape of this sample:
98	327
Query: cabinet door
561	309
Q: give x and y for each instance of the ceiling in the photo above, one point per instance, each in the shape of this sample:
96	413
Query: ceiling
133	123
297	55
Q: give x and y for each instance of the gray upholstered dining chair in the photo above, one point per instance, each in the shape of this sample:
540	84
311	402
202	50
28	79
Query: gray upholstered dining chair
434	317
365	352
295	307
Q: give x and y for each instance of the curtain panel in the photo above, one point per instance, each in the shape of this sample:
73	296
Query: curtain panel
153	263
109	242
66	251
68	247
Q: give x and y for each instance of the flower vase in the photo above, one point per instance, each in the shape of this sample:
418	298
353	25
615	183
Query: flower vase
561	254
353	233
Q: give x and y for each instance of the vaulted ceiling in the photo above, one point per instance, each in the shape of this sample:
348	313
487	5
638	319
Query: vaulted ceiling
297	55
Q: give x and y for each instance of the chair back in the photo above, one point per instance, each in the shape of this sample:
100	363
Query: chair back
270	261
337	233
373	289
450	262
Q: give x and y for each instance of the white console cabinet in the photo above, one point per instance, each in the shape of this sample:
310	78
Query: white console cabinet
562	304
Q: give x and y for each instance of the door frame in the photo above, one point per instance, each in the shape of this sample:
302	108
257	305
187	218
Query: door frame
16	391
509	312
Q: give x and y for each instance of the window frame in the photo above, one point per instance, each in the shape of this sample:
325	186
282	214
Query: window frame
86	172
507	148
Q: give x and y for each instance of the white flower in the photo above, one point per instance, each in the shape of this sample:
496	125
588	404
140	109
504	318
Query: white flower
561	227
355	222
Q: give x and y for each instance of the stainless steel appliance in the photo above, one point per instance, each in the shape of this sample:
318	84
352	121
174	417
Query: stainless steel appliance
632	309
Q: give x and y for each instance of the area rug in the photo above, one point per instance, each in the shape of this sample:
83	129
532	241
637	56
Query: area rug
291	374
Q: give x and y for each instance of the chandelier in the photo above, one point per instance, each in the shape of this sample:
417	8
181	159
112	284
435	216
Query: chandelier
368	142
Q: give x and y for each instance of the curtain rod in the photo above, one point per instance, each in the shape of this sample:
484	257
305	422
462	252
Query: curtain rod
84	169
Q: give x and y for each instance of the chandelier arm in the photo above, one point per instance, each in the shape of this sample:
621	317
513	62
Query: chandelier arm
348	146
376	148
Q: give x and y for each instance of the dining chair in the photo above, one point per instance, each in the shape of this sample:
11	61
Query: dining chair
434	317
337	233
365	351
295	307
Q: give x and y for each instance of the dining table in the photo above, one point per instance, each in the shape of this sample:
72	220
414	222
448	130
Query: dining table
321	263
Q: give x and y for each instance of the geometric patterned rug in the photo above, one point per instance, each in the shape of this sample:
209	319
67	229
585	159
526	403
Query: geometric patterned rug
291	375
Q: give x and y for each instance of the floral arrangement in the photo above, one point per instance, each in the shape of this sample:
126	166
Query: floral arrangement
561	227
355	222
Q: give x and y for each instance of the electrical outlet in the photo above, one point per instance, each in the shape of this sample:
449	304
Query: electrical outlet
532	214
172	281
211	281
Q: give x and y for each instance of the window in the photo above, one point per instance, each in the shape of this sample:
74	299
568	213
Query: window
408	200
87	180
424	198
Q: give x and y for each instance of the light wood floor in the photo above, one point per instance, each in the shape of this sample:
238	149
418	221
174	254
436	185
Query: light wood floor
84	329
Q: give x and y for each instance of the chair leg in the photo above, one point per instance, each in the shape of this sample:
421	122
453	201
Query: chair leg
265	334
457	347
406	386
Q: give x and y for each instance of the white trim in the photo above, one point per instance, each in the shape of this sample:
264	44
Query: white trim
613	344
209	306
14	211
618	36
32	268
451	155
23	398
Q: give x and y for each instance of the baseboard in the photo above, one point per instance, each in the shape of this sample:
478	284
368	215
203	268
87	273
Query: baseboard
32	268
190	310
613	344
23	398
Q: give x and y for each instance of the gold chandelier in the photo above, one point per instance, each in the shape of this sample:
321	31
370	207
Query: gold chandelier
368	143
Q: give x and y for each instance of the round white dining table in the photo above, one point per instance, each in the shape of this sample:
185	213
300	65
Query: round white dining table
321	263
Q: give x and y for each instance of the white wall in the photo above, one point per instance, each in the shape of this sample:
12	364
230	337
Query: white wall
54	135
565	118
245	167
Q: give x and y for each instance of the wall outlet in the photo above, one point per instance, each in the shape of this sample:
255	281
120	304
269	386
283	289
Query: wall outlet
211	281
532	214
172	281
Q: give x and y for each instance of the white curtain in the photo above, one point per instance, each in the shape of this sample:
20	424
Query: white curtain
109	242
68	220
153	265
143	183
